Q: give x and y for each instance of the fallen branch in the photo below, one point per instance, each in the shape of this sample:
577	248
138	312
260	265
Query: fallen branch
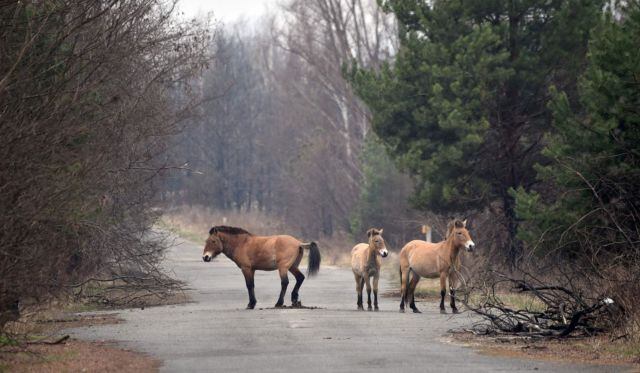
60	340
566	312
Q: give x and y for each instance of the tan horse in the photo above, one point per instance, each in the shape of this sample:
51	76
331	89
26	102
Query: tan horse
433	260
365	264
266	253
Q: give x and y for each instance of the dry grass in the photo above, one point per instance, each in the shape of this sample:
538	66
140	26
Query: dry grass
26	346
429	289
109	295
46	320
522	301
193	223
74	356
594	350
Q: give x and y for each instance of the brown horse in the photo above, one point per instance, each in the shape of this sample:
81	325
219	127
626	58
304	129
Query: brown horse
365	263
433	260
266	253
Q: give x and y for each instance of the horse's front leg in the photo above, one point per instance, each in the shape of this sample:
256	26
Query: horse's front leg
367	280
375	290
403	289
359	284
284	282
248	278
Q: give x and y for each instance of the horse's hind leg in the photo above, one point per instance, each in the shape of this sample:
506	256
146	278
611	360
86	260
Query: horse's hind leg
248	278
284	282
299	279
412	292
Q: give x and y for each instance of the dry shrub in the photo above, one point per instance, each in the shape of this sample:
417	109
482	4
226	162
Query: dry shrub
565	298
90	91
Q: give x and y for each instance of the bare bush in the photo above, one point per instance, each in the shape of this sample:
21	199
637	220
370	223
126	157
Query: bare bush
89	91
585	283
557	307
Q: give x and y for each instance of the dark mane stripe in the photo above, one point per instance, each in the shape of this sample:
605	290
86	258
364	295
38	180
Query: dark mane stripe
228	230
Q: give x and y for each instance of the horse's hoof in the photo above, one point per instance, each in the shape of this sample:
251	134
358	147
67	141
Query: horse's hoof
401	310
415	310
369	308
376	309
443	311
455	310
251	306
296	304
278	305
360	308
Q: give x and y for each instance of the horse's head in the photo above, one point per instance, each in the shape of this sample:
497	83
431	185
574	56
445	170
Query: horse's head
212	247
377	242
457	231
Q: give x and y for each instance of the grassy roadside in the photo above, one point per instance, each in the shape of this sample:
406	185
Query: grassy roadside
37	343
74	356
600	350
181	231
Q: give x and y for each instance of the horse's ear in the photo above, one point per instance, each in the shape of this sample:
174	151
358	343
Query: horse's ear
380	230
464	223
459	224
213	230
449	229
369	232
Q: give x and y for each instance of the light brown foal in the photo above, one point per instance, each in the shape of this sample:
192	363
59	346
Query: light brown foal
365	264
433	260
266	253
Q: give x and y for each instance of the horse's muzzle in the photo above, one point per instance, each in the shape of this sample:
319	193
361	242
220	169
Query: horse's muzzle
206	258
470	248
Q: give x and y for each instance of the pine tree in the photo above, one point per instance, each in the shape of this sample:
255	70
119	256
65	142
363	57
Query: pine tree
595	150
463	106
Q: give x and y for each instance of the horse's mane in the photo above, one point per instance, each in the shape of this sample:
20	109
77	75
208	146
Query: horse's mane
229	230
454	223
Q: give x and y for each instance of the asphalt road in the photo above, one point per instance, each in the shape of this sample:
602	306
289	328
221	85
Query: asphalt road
215	333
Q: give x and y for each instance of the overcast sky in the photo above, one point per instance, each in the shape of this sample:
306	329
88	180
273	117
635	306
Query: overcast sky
226	11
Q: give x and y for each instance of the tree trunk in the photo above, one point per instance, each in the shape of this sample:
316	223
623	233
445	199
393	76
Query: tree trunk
513	245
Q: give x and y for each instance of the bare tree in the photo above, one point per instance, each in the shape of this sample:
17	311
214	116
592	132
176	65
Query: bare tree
320	38
88	100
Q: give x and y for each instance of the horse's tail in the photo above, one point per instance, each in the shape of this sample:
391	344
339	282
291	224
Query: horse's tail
314	258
